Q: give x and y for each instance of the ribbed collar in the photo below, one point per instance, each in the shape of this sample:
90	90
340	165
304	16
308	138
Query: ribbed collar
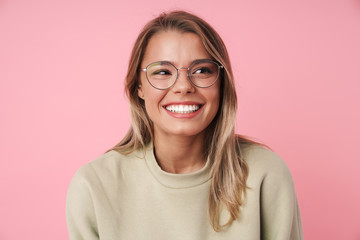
173	180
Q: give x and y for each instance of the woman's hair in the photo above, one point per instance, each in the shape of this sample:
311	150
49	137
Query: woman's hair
228	168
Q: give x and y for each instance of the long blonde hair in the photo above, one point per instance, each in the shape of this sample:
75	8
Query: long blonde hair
229	169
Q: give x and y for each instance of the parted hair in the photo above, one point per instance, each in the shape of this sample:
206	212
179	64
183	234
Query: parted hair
223	147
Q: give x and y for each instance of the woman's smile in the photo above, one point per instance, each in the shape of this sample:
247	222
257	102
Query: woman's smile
183	108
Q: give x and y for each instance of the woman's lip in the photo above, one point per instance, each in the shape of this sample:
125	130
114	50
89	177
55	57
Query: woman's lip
183	115
183	103
188	115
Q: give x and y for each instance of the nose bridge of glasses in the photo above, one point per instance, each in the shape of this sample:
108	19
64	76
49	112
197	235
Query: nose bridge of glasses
183	68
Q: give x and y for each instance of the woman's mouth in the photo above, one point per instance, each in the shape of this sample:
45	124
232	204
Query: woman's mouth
182	108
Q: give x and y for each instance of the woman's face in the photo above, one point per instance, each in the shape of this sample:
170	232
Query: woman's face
183	109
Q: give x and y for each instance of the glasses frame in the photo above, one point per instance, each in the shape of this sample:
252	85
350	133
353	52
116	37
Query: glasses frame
188	72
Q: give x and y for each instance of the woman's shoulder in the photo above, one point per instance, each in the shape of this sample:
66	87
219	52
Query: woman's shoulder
108	166
263	161
260	154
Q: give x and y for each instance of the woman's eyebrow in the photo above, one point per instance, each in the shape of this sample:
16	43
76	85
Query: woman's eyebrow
167	61
199	60
194	61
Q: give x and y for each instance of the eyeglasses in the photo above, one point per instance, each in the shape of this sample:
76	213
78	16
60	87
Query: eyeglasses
163	74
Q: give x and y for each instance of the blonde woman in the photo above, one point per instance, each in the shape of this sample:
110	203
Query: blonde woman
181	172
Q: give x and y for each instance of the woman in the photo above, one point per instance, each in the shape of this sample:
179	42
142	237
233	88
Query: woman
181	172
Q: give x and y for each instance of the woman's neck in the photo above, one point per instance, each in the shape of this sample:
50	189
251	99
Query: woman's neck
179	154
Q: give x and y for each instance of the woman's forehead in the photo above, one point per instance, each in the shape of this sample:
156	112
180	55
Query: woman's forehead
175	46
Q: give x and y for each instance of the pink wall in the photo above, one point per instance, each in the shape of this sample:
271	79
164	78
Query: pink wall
62	65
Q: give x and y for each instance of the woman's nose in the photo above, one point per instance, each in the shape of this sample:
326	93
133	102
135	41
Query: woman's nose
183	84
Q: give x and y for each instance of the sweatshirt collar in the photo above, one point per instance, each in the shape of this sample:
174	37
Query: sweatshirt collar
173	180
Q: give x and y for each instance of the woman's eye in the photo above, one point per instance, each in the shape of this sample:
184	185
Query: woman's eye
162	72
202	71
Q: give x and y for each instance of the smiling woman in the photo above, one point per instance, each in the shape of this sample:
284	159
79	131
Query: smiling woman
181	172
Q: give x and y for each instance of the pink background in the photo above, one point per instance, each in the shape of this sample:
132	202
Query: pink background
62	65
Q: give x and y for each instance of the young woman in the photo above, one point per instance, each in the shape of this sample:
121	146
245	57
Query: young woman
181	172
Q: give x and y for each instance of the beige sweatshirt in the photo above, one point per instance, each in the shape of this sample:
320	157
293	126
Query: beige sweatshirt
129	197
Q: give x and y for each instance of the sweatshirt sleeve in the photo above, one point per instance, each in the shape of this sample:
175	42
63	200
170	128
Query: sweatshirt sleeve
280	215
80	213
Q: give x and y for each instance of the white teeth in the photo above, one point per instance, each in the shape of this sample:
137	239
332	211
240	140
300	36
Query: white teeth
182	108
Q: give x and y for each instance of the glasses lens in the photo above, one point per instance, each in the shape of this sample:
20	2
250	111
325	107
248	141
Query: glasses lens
204	73
161	75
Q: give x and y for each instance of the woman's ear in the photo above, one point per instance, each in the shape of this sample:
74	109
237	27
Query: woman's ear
140	92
